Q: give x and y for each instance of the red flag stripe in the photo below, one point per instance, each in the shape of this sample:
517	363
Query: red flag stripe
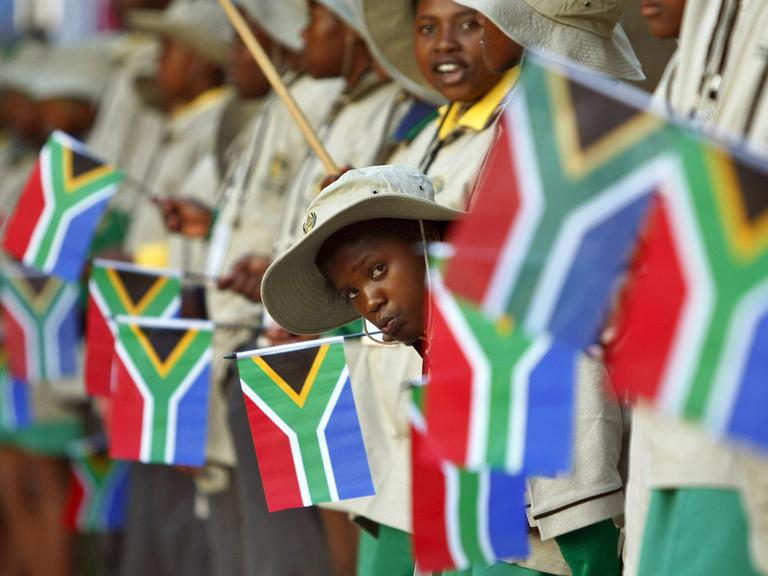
430	537
22	222
75	500
126	422
100	343
451	376
16	343
274	455
638	356
494	217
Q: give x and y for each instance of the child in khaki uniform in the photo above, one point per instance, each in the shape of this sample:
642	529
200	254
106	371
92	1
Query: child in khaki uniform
241	227
696	504
196	37
56	89
454	149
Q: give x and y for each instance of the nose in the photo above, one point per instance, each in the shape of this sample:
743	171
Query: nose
446	41
374	298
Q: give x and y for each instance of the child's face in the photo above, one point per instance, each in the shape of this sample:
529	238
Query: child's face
324	43
69	115
664	16
24	118
173	71
246	75
383	278
447	42
499	51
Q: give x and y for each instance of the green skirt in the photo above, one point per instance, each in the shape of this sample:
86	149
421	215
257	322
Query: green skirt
695	532
591	551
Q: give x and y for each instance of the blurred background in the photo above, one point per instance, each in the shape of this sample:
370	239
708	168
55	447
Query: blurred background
62	21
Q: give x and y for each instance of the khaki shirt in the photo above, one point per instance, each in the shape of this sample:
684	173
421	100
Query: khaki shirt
127	132
379	374
452	156
732	101
190	135
354	131
680	454
262	162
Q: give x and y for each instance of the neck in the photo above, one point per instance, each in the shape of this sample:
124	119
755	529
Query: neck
359	63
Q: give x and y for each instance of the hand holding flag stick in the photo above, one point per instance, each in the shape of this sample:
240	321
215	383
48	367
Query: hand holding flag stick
278	85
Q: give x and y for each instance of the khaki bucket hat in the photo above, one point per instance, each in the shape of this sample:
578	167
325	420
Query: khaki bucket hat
586	32
399	59
283	20
390	29
294	291
348	11
200	24
79	71
20	69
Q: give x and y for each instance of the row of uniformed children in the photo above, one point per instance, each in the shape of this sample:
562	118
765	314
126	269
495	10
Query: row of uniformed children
234	178
42	91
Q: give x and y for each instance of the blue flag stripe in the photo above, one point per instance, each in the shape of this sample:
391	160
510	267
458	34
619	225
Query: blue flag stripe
346	448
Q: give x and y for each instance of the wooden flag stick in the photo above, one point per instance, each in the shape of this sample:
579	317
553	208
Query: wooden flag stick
278	85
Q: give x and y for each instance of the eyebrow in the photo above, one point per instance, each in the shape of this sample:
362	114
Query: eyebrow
359	262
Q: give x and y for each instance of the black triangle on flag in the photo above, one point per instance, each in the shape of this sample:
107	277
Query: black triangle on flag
136	284
82	164
37	284
754	184
164	340
597	115
293	367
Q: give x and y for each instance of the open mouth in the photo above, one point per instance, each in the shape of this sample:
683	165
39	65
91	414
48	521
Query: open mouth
650	9
450	72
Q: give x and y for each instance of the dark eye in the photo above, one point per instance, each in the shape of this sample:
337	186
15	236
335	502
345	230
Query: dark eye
350	294
425	29
378	271
468	25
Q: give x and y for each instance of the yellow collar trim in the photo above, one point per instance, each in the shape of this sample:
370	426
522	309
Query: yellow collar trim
479	114
200	102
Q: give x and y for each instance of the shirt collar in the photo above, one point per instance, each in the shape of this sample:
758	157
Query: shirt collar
478	115
199	103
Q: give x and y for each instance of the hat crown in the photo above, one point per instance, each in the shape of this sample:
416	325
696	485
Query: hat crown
348	11
597	16
361	184
283	20
199	15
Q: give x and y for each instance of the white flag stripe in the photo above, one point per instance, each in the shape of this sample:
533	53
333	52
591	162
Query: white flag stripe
532	201
577	225
45	217
294	347
700	296
481	372
518	411
68	216
453	530
733	362
323	440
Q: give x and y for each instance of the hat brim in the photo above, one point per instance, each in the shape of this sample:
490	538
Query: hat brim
612	56
390	30
294	291
154	22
